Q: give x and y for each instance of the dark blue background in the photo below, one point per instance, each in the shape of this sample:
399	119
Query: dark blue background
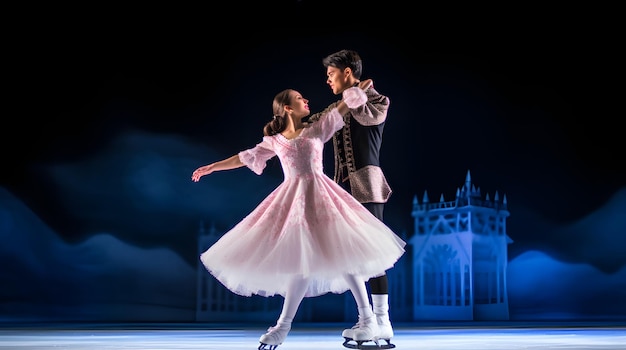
113	108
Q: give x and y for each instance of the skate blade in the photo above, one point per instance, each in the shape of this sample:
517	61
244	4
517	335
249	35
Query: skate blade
264	346
365	344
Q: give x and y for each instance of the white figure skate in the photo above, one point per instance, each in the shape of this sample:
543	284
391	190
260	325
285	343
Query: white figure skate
386	331
365	331
274	337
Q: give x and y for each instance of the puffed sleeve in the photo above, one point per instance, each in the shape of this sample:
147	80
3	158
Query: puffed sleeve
374	112
329	122
256	158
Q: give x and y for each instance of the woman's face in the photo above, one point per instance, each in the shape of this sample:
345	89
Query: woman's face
299	105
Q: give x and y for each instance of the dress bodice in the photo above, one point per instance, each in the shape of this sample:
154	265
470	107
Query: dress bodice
299	156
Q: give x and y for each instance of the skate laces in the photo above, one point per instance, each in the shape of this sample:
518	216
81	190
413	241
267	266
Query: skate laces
277	332
358	323
362	322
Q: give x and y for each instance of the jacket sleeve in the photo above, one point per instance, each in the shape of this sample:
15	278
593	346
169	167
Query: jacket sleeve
374	112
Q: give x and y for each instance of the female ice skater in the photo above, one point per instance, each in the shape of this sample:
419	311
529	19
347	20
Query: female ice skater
309	236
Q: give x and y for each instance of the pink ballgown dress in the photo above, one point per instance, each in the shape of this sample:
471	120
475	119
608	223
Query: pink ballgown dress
308	226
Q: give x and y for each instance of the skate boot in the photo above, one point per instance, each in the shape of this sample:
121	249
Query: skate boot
348	332
381	310
367	320
366	334
274	337
386	331
366	330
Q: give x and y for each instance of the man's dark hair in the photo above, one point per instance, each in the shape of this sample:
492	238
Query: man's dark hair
345	58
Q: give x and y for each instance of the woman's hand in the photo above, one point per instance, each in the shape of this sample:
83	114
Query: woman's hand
353	97
201	171
226	164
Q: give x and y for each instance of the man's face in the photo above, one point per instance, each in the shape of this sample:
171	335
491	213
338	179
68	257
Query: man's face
338	79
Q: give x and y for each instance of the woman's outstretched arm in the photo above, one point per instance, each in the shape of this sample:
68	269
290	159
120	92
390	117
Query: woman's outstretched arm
226	164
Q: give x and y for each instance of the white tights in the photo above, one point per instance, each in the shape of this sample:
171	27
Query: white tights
359	291
293	297
298	286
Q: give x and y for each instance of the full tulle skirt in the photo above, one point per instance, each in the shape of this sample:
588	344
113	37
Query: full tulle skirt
307	227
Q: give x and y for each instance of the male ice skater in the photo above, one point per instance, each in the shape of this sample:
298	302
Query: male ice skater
357	168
